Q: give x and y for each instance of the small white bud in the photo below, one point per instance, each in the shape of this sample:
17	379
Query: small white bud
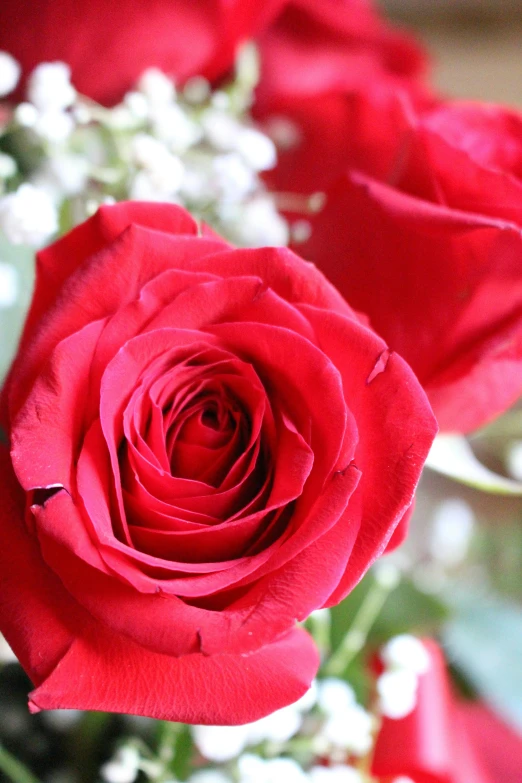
256	149
196	90
232	179
406	652
335	696
220	743
397	692
8	166
62	720
137	104
49	87
9	73
54	126
221	130
28	216
156	86
280	726
301	231
350	730
123	768
259	224
284	132
26	114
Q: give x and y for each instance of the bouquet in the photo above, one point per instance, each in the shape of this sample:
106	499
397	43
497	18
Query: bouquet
257	278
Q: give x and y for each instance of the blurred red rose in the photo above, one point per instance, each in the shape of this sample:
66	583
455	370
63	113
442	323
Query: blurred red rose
108	45
317	59
208	444
433	257
442	742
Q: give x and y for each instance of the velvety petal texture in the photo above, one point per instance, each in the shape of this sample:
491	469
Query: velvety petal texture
431	253
208	444
108	46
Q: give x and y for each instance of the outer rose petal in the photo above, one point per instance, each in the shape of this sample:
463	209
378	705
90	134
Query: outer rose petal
456	317
103	671
78	663
38	617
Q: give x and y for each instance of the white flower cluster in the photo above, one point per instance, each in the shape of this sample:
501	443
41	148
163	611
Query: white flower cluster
405	659
196	148
223	743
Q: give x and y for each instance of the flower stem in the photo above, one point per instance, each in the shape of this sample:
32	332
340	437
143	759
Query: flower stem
14	769
365	617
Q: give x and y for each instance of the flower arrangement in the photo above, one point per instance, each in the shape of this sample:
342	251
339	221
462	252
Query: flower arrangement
271	263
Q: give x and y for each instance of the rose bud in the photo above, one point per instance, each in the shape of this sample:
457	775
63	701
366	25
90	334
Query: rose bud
206	445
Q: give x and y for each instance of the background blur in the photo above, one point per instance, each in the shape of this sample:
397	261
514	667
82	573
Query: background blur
476	45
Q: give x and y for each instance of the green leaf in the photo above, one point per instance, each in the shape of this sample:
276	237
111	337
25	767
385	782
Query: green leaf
452	456
484	639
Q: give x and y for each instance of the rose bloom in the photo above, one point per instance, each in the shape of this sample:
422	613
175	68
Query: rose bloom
318	58
207	445
108	45
446	740
432	253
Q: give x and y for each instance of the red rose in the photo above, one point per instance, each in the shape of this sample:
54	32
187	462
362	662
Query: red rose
432	744
108	45
208	444
318	58
435	260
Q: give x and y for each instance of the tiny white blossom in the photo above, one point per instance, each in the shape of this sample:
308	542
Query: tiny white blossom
221	130
284	132
452	528
28	216
335	696
8	166
256	149
259	224
301	230
232	178
156	86
53	125
49	87
340	773
253	769
26	114
397	692
123	768
350	729
9	73
220	743
280	726
406	652
137	104
173	125
197	89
